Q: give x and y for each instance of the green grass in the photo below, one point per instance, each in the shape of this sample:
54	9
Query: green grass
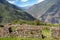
20	39
46	31
17	38
35	22
13	28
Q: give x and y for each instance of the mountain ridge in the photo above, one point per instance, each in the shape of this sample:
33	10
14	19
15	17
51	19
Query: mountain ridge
40	11
10	12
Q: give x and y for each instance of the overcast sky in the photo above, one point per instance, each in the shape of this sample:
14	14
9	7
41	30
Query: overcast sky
24	3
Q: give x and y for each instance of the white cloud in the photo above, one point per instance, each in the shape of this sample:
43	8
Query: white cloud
12	1
26	5
39	1
24	0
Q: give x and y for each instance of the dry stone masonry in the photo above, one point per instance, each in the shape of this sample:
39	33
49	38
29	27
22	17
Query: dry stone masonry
21	31
30	31
55	32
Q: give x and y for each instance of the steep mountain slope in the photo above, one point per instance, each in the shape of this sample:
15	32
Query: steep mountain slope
9	13
52	14
47	11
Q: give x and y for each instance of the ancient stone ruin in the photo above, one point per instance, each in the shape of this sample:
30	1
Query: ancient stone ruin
55	32
30	31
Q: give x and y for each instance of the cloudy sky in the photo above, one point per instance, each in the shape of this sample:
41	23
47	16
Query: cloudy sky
24	3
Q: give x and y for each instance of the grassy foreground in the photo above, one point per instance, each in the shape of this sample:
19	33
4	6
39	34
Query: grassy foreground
20	39
49	38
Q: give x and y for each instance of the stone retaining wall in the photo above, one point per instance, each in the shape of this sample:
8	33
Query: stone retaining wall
55	32
30	31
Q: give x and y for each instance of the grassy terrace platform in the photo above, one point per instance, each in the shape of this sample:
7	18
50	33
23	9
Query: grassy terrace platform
20	39
49	38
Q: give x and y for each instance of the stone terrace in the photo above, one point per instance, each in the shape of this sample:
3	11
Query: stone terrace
24	30
55	32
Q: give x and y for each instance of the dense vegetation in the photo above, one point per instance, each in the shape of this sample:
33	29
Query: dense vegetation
35	22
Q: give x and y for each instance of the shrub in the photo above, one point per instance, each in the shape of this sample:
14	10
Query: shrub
1	25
